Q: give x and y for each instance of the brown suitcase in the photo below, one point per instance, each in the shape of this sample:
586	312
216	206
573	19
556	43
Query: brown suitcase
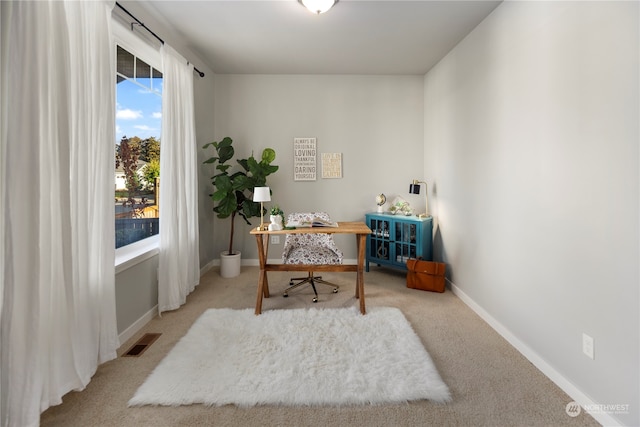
425	275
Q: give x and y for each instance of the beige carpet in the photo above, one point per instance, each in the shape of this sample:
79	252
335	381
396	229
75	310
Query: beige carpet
490	382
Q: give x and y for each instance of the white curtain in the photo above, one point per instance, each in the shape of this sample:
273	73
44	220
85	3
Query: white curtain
58	293
179	259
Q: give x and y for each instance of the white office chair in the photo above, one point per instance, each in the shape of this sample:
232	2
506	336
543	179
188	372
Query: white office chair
310	249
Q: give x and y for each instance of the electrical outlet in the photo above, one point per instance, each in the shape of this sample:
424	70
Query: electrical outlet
275	240
588	346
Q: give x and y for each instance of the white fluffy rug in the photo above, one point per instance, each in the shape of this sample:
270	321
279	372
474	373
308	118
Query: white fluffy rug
295	357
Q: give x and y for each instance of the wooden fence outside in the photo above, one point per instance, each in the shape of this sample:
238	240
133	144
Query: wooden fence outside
129	230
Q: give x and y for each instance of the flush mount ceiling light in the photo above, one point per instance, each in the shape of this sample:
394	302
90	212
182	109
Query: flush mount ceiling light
318	6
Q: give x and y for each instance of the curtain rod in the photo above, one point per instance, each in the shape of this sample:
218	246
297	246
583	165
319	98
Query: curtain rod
200	73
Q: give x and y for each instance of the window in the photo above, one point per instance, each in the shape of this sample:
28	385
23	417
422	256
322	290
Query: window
137	147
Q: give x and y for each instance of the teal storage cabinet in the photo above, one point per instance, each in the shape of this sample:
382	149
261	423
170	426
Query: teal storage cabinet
395	239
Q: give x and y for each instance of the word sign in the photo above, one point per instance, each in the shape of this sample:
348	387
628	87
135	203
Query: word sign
304	159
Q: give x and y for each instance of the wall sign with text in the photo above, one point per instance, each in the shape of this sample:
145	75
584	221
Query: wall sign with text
304	159
331	165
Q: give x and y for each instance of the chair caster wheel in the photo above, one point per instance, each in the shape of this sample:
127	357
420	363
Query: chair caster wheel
335	290
315	300
285	295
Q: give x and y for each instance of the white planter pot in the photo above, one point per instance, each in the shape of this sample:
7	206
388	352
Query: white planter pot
276	223
230	264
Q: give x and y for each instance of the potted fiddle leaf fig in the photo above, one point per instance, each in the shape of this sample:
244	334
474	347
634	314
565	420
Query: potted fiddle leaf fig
233	191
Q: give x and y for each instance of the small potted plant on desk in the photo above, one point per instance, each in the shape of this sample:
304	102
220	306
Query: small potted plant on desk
233	193
277	218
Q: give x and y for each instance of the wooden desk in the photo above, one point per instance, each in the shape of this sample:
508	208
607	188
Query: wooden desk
358	228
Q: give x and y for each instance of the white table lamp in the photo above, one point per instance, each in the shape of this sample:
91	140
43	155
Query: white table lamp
261	194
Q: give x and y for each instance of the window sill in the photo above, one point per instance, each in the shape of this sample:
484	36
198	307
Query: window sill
135	253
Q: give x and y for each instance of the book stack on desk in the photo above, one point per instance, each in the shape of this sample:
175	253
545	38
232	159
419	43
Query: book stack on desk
316	222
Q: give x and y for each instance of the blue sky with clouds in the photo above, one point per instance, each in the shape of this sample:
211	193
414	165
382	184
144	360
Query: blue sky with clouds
139	110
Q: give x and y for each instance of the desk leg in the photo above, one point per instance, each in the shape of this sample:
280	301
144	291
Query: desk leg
263	284
361	244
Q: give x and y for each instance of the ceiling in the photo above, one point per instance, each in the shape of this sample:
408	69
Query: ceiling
355	37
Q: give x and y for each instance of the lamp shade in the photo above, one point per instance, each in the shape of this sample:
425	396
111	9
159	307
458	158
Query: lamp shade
318	6
261	194
414	188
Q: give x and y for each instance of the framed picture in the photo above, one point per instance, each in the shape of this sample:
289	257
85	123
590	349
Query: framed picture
304	159
331	165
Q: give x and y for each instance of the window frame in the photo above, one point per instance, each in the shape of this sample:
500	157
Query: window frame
137	252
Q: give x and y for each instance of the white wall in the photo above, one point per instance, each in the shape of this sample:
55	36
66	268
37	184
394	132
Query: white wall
376	122
136	294
531	130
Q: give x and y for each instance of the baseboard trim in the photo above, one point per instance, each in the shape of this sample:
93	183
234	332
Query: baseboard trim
149	315
244	262
146	318
567	386
137	325
255	262
208	266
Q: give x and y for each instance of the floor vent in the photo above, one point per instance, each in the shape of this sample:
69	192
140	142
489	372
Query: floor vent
141	345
